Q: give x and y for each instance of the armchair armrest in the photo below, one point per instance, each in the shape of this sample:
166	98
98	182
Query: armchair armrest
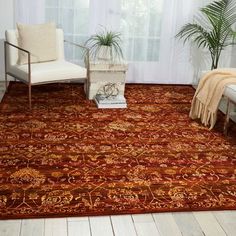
82	47
20	49
87	53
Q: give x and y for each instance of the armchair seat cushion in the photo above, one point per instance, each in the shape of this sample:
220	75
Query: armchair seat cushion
48	72
230	92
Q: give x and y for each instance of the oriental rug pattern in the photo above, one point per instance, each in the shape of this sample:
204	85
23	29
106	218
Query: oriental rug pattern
68	158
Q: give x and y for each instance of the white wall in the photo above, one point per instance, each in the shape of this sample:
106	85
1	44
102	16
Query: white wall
233	57
6	22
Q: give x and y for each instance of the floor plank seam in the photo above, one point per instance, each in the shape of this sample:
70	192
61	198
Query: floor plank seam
135	229
153	218
219	223
202	231
67	227
112	227
90	228
20	227
43	227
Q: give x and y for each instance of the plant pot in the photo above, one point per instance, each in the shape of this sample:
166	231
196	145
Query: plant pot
104	53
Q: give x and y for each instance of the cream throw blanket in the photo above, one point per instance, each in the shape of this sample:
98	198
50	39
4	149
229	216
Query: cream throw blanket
208	95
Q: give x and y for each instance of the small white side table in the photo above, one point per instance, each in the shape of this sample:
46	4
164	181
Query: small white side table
102	74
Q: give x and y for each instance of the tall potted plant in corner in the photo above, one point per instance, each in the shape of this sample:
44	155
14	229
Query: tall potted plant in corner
105	45
213	28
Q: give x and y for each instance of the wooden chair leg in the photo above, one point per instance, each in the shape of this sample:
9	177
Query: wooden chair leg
5	64
6	85
227	117
30	102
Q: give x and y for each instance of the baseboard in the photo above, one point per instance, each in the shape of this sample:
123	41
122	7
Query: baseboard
9	78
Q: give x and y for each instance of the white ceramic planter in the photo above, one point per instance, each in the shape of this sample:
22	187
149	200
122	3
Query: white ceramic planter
104	53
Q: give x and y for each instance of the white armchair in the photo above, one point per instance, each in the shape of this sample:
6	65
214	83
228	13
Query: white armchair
44	72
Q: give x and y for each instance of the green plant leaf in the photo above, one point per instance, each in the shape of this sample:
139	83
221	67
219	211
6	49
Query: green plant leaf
212	28
105	38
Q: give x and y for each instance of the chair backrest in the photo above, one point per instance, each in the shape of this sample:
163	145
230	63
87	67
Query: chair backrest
12	53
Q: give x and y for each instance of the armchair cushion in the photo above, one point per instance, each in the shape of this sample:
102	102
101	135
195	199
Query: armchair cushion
52	71
39	40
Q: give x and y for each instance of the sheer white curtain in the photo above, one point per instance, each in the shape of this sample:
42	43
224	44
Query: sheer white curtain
73	17
104	13
29	12
175	58
148	30
140	25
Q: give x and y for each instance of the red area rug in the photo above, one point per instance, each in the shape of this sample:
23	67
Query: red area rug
68	158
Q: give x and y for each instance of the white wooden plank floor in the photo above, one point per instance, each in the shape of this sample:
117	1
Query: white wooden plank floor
218	223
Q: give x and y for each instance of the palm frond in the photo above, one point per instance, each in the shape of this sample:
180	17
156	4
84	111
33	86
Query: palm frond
193	32
212	28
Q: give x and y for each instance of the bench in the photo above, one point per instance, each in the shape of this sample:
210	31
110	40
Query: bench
230	95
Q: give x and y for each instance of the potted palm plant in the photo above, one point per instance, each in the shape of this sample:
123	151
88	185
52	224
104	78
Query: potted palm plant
105	45
213	28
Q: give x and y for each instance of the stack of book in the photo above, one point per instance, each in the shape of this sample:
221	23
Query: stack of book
114	102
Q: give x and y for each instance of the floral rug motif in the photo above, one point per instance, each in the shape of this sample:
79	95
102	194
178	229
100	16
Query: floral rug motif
65	157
